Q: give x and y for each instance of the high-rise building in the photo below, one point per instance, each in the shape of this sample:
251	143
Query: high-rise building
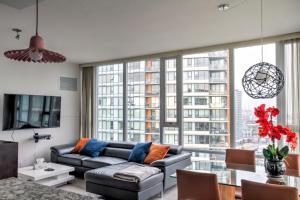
238	117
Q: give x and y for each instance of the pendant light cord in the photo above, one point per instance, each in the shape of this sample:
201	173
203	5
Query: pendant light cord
261	30
37	17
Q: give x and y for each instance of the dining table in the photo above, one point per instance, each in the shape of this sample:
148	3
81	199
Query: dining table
230	176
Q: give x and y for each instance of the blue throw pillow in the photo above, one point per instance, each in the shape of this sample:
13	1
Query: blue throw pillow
139	152
93	148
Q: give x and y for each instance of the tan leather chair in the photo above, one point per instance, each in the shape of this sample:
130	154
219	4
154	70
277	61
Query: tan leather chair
197	186
292	161
260	191
240	157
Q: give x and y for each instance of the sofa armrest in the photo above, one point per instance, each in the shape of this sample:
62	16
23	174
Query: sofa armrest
171	160
62	149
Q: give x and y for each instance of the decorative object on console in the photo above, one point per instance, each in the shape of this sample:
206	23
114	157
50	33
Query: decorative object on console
157	152
39	164
8	159
36	51
93	148
263	80
139	152
274	157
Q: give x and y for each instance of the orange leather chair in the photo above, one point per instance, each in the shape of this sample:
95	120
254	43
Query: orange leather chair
197	186
260	191
240	157
292	161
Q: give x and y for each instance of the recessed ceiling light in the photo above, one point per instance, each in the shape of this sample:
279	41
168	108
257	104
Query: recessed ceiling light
223	7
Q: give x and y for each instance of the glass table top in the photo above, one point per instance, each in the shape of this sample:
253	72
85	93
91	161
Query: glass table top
232	174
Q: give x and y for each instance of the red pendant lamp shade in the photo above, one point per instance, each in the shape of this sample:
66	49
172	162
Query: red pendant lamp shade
36	51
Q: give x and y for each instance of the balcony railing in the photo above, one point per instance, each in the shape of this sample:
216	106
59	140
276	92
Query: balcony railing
218	80
217	92
152	130
152	81
218	67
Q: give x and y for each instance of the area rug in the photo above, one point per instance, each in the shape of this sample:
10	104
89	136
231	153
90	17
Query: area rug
21	189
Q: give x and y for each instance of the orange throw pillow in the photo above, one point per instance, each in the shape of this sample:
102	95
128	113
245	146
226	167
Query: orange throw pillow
157	152
82	142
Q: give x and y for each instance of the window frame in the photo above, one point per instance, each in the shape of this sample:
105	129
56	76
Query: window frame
178	54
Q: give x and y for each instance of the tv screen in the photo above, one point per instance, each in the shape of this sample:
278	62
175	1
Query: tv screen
30	111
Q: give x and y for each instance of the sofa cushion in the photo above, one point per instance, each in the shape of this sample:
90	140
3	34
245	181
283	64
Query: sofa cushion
104	176
71	159
139	152
93	148
80	144
157	152
101	161
117	152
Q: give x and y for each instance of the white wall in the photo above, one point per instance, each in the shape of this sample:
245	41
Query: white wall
40	79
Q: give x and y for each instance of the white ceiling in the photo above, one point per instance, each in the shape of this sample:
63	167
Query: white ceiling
95	30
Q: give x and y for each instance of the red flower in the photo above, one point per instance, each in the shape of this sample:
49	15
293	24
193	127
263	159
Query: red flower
276	132
274	111
260	111
262	132
266	127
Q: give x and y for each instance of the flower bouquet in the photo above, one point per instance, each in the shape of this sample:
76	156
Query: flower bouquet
274	156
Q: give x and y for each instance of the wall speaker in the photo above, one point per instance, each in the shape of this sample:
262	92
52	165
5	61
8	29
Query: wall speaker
67	83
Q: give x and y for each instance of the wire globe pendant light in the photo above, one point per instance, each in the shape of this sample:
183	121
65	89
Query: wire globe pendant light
36	52
263	80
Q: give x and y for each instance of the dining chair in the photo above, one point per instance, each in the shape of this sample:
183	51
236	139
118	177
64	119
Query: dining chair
262	191
292	162
240	157
197	186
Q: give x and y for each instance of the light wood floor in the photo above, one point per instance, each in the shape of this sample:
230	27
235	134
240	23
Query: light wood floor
78	186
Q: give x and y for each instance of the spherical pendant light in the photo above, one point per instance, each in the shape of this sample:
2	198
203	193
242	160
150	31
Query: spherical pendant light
263	80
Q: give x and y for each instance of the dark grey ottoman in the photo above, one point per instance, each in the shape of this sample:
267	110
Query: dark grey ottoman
100	181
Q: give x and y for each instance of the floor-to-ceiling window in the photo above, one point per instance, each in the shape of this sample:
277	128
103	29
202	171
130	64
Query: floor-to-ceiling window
109	102
143	100
194	106
206	105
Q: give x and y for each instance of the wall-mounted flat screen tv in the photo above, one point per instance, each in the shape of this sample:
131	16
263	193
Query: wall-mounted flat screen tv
30	111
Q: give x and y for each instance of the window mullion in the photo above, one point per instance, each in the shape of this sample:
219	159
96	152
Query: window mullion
179	98
125	104
163	97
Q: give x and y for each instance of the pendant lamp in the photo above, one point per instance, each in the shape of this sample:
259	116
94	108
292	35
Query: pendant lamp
36	52
263	80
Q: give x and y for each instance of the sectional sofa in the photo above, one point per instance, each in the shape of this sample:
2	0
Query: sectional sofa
99	171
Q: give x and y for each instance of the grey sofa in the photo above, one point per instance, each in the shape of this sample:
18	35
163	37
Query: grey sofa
114	155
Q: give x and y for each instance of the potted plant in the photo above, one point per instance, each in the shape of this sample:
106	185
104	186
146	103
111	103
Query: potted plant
274	156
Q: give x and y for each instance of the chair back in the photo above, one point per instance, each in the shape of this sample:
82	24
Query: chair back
240	156
261	191
196	186
292	162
